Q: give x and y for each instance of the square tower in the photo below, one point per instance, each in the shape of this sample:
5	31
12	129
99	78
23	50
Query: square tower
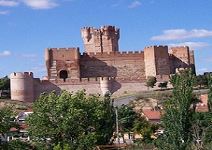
100	40
62	63
156	60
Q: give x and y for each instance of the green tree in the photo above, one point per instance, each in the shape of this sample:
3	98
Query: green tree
75	120
202	130
126	117
178	114
210	93
6	120
145	128
17	145
201	80
151	81
130	121
5	83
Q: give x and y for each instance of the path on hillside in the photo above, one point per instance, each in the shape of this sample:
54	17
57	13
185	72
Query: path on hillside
125	100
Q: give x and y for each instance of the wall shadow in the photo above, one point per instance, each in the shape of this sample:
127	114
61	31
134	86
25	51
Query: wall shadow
115	86
45	86
94	67
177	63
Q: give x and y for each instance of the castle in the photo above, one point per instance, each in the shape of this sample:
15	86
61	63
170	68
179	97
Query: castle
102	67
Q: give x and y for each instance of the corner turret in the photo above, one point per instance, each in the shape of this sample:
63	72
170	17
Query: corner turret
22	87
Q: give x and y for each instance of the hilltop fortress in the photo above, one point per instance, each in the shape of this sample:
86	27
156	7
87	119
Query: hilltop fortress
102	67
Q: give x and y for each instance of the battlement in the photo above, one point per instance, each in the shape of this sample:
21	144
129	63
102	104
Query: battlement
108	27
179	49
116	53
62	53
21	75
107	30
80	81
64	49
156	46
102	28
103	39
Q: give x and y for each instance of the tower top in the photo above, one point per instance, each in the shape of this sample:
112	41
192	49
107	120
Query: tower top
103	39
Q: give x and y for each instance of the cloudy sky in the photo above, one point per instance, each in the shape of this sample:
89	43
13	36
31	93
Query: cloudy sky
27	27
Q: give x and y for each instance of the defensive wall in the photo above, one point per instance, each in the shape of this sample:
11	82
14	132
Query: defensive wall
102	67
117	72
26	88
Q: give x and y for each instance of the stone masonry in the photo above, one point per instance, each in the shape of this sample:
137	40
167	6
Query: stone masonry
102	67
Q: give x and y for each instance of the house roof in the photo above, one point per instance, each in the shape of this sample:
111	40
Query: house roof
152	114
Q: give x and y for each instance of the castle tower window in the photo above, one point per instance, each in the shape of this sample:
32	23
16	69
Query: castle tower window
63	75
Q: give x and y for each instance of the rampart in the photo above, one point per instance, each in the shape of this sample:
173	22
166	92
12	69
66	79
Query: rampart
102	67
121	65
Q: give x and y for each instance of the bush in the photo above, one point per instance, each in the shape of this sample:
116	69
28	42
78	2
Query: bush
151	81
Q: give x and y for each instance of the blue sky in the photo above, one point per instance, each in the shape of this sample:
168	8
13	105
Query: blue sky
27	27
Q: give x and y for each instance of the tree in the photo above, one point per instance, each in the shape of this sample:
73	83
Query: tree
202	130
163	84
151	81
178	114
210	93
201	80
130	121
145	128
6	121
17	145
75	120
126	117
5	83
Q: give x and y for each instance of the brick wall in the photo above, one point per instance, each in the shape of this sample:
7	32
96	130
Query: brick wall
156	60
125	65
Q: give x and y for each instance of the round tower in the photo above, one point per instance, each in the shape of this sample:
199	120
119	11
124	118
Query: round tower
105	85
22	87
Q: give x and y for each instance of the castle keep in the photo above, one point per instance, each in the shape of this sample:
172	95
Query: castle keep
102	67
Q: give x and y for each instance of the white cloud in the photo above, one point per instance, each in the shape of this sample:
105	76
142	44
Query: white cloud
135	4
178	34
192	45
8	3
4	12
5	53
40	4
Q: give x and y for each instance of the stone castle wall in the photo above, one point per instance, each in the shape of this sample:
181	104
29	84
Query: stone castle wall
90	85
121	65
102	68
180	58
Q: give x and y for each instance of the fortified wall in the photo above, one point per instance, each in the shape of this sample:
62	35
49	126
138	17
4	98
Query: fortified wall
102	67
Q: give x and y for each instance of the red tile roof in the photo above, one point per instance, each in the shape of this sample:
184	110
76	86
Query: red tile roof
152	114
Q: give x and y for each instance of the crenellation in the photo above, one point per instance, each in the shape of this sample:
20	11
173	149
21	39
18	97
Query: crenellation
22	75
